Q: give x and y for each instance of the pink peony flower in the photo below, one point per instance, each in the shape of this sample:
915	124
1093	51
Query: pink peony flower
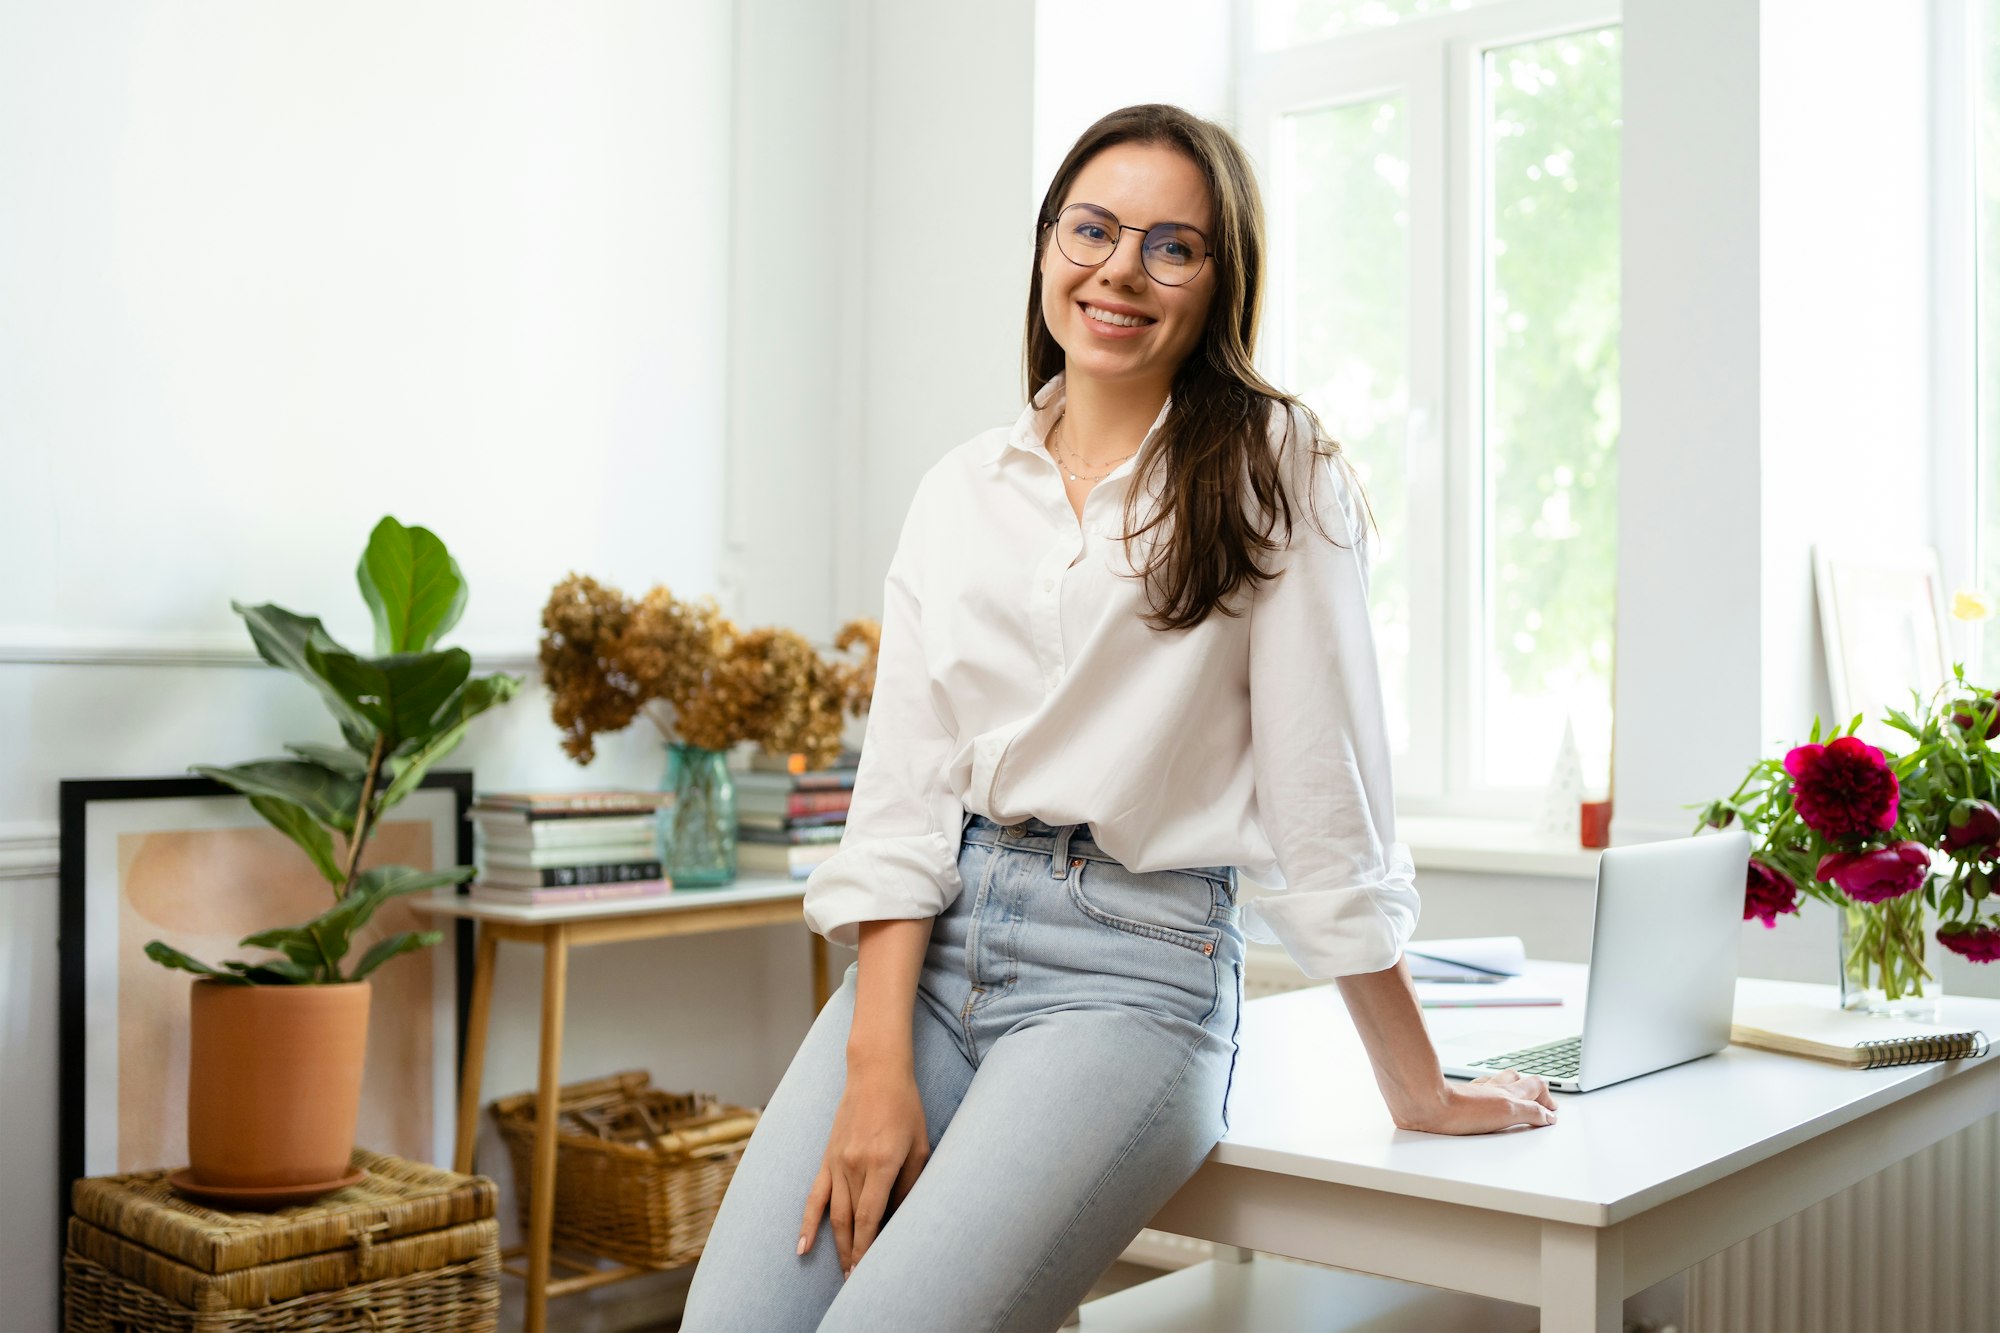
1877	876
1966	720
1980	943
1971	826
1843	788
1769	892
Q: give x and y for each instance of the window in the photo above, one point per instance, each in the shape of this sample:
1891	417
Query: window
1444	195
1982	17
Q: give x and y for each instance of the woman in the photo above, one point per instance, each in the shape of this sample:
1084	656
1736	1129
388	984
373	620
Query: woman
1113	670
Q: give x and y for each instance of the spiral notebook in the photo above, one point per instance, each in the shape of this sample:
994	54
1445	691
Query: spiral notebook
1855	1040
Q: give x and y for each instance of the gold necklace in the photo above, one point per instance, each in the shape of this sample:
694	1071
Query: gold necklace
1070	467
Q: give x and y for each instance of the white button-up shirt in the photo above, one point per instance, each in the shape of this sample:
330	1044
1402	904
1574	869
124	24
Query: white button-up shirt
1016	677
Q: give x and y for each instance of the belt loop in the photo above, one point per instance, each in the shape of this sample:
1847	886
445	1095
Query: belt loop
1059	856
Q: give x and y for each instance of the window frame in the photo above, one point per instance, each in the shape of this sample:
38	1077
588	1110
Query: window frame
1957	489
1435	64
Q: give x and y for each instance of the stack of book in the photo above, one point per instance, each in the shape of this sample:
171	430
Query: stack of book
789	820
541	848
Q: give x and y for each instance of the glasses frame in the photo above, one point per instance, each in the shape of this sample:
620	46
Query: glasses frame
1207	246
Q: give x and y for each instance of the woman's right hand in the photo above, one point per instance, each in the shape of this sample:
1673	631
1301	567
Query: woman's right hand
877	1148
1491	1102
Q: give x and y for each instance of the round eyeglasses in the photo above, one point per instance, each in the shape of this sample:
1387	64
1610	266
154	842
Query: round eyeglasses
1172	252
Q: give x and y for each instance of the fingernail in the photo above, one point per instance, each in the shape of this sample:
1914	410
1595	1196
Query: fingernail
803	1243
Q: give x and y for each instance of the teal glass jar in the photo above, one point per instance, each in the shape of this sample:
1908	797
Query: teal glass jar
697	834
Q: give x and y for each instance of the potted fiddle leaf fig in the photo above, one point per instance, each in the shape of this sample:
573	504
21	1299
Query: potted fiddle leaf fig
276	1042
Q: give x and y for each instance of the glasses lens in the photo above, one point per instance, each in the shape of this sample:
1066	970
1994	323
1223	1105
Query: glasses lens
1174	254
1086	234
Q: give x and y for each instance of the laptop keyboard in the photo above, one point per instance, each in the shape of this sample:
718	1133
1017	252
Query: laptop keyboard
1555	1059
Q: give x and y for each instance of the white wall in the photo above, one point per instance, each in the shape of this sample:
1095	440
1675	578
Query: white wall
269	272
1686	692
616	288
1845	335
949	113
1092	59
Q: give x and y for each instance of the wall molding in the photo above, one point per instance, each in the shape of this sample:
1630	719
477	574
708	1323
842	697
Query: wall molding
29	851
51	647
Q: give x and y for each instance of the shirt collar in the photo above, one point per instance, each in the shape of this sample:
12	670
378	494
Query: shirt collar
1030	431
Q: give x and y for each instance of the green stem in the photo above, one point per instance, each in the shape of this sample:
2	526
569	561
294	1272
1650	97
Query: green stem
361	820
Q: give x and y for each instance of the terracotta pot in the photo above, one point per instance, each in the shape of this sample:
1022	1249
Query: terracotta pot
274	1082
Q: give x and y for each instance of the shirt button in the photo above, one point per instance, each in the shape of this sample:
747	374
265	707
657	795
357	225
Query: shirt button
1048	585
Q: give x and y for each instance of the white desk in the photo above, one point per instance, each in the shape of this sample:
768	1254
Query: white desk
1632	1184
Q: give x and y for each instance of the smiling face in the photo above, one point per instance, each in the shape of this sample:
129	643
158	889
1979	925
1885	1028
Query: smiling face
1143	184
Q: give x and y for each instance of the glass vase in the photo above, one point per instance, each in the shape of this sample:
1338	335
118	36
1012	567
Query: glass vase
697	834
1887	965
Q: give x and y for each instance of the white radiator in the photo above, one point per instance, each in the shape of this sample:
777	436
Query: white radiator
1909	1250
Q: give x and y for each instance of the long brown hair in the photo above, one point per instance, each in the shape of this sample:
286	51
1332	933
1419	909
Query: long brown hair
1214	442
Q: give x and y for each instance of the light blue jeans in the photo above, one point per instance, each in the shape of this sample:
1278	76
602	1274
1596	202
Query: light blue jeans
1074	1036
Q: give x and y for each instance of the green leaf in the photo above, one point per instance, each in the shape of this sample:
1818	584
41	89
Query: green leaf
1855	725
374	887
298	944
412	585
408	941
329	797
271	972
1814	740
286	640
398	695
451	722
339	758
167	956
303	829
386	882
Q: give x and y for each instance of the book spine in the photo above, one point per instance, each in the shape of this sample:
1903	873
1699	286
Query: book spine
562	876
518	816
509	858
583	893
785	823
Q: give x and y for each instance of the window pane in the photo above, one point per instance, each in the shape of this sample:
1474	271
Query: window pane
1291	22
1986	326
1551	400
1349	190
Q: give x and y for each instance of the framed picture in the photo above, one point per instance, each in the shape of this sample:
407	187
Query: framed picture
186	860
1882	621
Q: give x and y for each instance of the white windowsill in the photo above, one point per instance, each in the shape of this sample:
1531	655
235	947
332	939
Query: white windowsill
1493	847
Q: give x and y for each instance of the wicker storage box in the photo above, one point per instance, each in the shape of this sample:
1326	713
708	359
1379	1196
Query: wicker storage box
639	1171
411	1247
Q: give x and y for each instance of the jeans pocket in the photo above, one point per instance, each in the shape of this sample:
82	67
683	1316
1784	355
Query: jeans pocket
1173	906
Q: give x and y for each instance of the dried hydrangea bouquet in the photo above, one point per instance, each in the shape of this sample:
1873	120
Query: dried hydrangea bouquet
1906	846
708	687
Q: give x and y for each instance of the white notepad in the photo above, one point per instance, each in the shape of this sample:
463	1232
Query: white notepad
1859	1041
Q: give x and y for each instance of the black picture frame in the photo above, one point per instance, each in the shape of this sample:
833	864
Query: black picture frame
77	798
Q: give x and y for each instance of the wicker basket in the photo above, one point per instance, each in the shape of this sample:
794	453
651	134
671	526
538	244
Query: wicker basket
409	1248
639	1171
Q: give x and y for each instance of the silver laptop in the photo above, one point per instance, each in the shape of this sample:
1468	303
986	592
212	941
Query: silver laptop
1663	953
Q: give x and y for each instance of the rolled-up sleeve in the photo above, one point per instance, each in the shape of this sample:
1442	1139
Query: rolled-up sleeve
1320	748
898	857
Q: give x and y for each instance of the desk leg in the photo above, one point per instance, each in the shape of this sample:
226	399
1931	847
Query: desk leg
1583	1279
542	1213
822	989
475	1051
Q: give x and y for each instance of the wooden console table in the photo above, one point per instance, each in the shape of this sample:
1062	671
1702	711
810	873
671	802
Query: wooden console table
750	901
